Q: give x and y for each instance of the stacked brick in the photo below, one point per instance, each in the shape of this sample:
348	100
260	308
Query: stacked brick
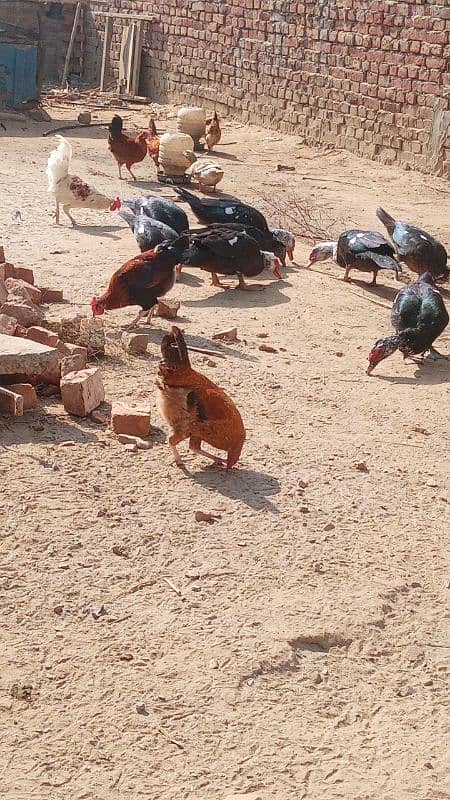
371	76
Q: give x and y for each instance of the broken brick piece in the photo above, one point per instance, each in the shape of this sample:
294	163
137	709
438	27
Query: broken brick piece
73	363
135	343
20	288
10	402
24	274
28	393
82	391
25	312
67	350
168	309
42	335
132	421
52	295
6	270
3	292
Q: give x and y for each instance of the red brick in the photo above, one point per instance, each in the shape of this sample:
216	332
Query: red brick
43	336
3	292
67	350
24	274
8	325
27	392
133	421
52	295
82	391
73	363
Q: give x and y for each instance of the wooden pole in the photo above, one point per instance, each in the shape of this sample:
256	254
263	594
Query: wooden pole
106	44
71	43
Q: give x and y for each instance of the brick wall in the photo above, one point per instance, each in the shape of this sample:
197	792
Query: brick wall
371	76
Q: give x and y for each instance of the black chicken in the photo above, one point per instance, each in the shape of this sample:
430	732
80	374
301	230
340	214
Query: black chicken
418	316
228	250
148	232
366	251
420	251
161	209
224	211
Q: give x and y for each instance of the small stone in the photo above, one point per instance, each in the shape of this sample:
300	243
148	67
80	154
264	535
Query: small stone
361	466
211	363
266	348
201	516
339	354
59	610
423	431
318	566
52	295
329	527
130	448
302	484
141	709
84	117
262	335
120	550
213	664
98	417
136	441
168	309
135	343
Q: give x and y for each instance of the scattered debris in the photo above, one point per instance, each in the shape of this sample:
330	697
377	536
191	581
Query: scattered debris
24	311
136	441
17	287
84	118
98	417
213	664
172	586
83	331
120	550
201	516
168	309
285	168
423	431
262	335
98	611
141	709
361	466
266	348
227	336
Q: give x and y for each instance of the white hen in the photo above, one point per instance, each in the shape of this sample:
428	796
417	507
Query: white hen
69	190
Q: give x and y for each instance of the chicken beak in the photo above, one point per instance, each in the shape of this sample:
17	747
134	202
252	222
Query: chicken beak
370	369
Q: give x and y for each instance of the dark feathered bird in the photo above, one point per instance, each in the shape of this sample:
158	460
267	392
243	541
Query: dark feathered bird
419	316
420	251
161	209
148	232
223	211
228	250
366	251
140	281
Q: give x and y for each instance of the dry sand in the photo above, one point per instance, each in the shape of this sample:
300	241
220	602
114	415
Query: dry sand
305	657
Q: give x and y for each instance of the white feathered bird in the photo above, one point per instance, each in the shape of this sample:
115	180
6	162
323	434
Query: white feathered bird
69	190
206	173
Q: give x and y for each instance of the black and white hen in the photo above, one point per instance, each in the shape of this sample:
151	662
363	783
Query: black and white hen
420	251
366	251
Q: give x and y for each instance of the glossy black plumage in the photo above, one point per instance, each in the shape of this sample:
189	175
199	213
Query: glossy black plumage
161	209
225	250
148	232
367	251
222	210
420	251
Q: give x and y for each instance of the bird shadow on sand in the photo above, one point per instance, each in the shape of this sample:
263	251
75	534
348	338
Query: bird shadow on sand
105	231
188	279
249	486
380	290
155	337
427	375
149	185
236	298
221	154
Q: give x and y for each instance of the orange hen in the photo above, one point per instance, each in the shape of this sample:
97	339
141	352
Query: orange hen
194	407
126	150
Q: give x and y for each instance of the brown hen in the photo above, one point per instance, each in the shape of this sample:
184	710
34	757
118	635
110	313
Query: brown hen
126	150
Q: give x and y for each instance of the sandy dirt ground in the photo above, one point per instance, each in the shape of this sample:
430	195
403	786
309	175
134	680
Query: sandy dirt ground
306	655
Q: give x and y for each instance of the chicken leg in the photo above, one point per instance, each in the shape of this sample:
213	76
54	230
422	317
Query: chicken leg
435	355
57	213
66	210
134	322
346	275
248	287
196	446
215	281
374	279
131	173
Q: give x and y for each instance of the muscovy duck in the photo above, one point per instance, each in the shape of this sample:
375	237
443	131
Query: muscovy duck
222	211
418	316
367	251
228	251
420	251
161	209
265	239
148	232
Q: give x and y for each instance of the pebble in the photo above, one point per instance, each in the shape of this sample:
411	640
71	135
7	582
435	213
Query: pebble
135	441
141	709
329	527
213	664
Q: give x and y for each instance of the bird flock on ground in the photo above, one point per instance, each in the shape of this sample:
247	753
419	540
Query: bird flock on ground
236	240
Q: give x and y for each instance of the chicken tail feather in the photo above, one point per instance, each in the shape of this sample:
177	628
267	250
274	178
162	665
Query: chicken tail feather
386	219
58	163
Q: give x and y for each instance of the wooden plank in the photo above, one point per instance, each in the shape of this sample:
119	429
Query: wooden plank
10	402
130	58
130	17
137	58
106	46
71	43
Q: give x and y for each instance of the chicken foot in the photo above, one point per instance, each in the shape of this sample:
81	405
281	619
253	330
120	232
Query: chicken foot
248	287
215	282
66	210
435	355
132	173
196	446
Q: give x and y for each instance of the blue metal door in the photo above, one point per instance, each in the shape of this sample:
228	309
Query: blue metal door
18	74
